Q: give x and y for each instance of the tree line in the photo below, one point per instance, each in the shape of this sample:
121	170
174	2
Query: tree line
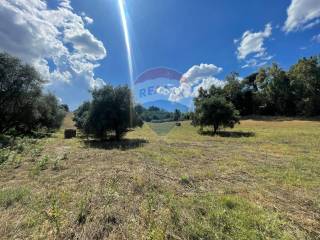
270	91
24	107
274	91
157	115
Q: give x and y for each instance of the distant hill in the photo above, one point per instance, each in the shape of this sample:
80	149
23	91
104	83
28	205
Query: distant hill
167	105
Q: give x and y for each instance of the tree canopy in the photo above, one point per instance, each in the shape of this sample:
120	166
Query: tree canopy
274	91
111	111
23	105
213	109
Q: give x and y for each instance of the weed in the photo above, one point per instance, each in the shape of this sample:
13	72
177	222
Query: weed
4	155
16	161
40	166
84	211
35	152
56	165
54	214
20	146
185	180
139	182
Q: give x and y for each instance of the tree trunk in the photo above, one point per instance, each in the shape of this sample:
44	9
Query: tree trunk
215	128
118	134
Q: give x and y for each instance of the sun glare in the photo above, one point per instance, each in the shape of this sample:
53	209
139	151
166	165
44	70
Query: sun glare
124	21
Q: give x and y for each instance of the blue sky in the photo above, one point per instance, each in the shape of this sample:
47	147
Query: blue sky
227	35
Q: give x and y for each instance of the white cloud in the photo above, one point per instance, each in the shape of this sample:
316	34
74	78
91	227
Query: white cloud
85	43
206	83
95	82
55	41
65	4
62	76
302	14
252	42
88	20
251	45
200	71
196	77
316	38
254	63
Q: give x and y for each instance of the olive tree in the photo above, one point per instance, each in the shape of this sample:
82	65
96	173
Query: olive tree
213	109
110	111
23	106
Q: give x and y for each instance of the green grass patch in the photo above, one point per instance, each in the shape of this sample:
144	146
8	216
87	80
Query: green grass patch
10	196
226	217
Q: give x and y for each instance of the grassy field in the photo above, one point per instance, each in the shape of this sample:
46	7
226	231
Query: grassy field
259	181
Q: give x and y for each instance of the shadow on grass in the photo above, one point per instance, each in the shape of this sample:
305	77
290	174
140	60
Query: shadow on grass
230	134
123	145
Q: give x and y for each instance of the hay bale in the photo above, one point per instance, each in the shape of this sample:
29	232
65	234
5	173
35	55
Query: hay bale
70	133
178	124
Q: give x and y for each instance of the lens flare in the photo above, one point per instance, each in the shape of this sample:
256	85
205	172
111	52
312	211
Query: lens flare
123	15
124	21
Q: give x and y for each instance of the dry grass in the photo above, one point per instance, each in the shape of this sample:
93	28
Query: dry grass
259	182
